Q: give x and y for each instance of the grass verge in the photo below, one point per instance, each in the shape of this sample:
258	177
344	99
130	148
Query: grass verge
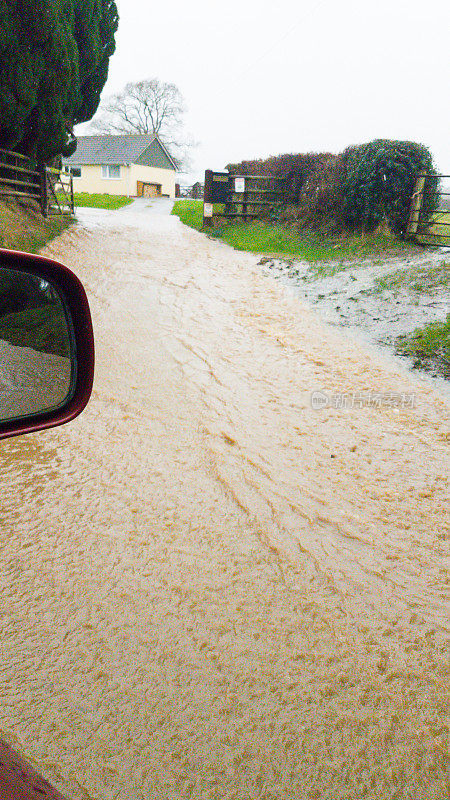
277	240
428	346
24	228
108	201
421	279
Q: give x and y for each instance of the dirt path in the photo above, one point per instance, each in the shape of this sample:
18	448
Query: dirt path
378	299
211	588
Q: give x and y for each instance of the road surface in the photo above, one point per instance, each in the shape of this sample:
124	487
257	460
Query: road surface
229	578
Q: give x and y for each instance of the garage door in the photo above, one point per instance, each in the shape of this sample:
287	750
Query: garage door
148	189
151	190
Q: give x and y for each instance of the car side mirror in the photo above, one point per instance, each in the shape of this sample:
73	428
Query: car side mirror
46	344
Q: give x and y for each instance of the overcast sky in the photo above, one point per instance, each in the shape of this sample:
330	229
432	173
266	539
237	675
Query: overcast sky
262	78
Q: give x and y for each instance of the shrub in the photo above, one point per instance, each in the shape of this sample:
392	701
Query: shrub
375	182
296	168
308	186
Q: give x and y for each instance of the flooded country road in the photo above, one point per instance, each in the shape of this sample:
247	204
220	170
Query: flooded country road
228	579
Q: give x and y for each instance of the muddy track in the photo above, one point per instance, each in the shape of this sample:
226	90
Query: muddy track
213	588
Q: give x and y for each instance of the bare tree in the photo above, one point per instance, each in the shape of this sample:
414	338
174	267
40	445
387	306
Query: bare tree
149	106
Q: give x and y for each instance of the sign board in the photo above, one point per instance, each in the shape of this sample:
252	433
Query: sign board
219	187
239	185
207	210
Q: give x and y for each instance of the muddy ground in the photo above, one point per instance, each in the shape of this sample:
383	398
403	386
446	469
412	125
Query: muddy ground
378	300
213	588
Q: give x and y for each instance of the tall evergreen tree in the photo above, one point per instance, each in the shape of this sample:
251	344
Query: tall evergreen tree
96	22
54	57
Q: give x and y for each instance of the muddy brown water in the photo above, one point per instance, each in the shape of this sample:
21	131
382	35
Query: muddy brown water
210	588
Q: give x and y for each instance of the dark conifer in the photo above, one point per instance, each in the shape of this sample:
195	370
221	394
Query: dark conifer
54	57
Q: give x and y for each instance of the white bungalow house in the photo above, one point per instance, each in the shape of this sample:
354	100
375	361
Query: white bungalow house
135	165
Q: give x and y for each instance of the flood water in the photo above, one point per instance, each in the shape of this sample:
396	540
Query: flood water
229	578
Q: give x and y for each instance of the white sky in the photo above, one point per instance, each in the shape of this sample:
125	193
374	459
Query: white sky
261	78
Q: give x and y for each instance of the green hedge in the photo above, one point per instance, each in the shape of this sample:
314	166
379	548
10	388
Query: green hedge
376	181
361	188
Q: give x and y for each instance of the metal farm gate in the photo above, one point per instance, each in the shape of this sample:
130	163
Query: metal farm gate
435	228
242	196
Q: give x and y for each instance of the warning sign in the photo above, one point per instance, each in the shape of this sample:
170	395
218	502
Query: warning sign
239	185
207	209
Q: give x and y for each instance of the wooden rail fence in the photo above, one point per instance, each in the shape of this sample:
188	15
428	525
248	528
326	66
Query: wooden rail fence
23	179
244	196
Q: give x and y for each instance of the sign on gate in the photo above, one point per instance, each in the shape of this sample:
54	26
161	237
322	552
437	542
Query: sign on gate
219	187
243	196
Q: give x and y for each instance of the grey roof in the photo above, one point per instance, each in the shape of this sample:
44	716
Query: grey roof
111	149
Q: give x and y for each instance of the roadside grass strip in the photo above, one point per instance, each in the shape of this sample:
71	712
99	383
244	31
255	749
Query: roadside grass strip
428	346
106	201
277	240
420	279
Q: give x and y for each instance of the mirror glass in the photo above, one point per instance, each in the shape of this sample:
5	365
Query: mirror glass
37	357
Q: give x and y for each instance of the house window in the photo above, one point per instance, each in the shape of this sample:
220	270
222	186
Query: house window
111	171
74	171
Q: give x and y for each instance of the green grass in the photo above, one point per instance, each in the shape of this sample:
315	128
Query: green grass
435	232
108	201
428	346
277	240
422	279
22	227
43	328
190	212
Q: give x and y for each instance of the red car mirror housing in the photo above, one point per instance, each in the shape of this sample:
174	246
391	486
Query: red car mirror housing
20	781
73	296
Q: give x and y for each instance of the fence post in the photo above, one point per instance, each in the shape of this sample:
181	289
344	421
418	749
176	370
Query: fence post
416	205
43	182
72	204
208	199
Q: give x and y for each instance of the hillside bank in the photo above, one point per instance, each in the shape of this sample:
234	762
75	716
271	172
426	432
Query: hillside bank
24	228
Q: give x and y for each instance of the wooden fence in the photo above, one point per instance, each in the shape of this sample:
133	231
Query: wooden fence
24	180
244	196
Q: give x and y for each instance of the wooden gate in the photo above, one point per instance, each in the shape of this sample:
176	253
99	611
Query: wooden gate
430	228
242	196
22	179
57	196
